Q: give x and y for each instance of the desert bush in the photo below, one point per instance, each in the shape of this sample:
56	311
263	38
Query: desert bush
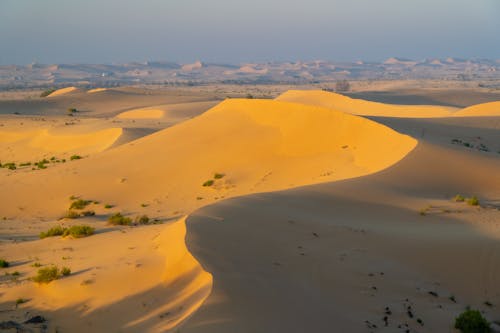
80	204
71	214
459	198
75	157
10	166
55	231
144	219
72	110
108	206
20	301
47	92
48	274
471	321
208	183
79	231
119	219
219	175
4	263
88	213
25	164
473	201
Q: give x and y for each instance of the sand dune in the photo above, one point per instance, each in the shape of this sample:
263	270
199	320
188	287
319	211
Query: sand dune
491	109
96	90
142	114
63	91
26	145
361	107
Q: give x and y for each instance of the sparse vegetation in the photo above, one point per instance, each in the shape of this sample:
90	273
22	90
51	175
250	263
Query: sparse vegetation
108	206
79	231
10	166
471	321
80	204
4	263
88	213
47	92
55	231
208	183
36	264
20	301
49	274
119	219
459	198
473	201
75	157
219	175
144	219
72	110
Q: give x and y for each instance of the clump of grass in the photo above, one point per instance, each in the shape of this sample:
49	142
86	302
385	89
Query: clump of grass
471	321
73	197
108	206
55	231
10	166
119	219
459	198
49	274
25	164
71	214
80	204
47	92
20	301
219	175
473	201
144	219
144	205
4	263
75	157
36	264
208	183
72	110
79	231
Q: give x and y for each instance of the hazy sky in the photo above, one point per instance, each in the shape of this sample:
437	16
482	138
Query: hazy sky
115	31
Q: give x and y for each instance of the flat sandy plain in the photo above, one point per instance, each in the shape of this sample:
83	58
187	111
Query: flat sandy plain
319	210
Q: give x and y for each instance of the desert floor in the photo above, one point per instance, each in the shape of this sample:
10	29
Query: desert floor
297	210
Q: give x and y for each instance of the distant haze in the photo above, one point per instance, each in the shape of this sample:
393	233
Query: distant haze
234	31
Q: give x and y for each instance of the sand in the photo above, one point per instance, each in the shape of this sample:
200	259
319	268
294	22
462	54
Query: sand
63	91
96	90
313	216
142	114
491	109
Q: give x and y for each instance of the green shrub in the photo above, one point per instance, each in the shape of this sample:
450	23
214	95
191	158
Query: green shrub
471	321
4	263
473	201
25	164
47	274
219	175
119	219
36	264
72	110
47	92
208	183
65	271
144	219
108	206
459	198
79	231
75	157
21	301
71	214
80	204
55	231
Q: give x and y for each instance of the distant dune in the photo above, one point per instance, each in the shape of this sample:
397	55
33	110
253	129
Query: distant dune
491	109
142	114
91	91
25	145
63	91
364	108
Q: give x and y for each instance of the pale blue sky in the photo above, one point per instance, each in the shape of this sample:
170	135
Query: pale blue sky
107	31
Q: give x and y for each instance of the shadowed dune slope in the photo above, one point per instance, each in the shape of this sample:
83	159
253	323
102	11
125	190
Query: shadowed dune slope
361	107
336	256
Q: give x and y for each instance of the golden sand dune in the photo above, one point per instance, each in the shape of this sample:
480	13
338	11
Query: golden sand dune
63	91
96	90
364	108
147	113
491	109
26	145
